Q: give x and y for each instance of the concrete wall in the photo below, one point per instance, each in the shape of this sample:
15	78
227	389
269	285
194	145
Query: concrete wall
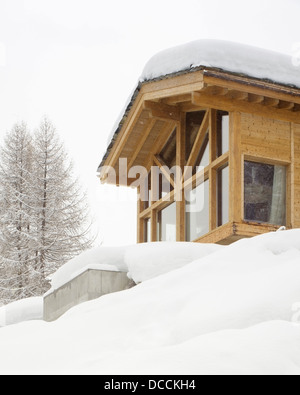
88	286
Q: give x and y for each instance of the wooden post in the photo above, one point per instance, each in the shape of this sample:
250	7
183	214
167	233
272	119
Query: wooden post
153	225
212	172
154	195
290	207
236	182
140	221
180	163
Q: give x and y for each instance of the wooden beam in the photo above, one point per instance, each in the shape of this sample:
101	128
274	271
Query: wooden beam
142	141
212	135
175	86
285	105
270	102
125	133
233	94
154	225
215	90
251	85
296	108
255	98
198	142
140	221
212	172
212	199
180	163
163	168
235	169
184	98
160	143
162	111
225	104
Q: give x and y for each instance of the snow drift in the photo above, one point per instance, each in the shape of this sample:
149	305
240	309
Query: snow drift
230	312
23	310
142	262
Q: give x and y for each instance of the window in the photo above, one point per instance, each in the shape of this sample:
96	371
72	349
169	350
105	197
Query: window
167	223
168	153
222	132
265	193
203	158
197	212
193	123
148	231
223	196
205	182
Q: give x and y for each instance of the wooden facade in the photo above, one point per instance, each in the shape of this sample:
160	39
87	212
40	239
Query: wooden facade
180	120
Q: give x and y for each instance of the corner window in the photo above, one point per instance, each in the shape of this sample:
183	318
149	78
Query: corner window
197	212
167	223
265	193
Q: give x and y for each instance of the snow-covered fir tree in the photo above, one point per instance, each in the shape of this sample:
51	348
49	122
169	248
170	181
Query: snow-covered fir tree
44	215
15	214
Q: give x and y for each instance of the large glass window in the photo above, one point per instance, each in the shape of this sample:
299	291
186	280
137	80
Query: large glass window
167	223
197	212
223	196
193	123
265	193
222	132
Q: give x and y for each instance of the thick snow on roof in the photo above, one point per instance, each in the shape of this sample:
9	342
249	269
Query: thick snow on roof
225	55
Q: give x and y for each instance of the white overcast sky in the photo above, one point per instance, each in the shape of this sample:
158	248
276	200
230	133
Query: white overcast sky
78	60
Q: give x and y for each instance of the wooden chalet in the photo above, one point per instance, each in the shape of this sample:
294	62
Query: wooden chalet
240	135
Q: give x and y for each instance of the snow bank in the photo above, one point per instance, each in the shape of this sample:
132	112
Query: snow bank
99	258
146	261
142	262
230	312
23	310
229	56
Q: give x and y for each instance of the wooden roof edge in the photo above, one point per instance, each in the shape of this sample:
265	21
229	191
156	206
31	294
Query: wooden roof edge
212	72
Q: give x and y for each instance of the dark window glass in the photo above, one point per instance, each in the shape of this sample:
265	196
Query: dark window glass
193	123
168	153
265	193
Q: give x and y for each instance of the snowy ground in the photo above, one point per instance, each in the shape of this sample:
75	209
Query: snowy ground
234	311
24	310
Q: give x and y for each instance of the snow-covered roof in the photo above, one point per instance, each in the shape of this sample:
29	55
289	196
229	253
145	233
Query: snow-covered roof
225	56
228	56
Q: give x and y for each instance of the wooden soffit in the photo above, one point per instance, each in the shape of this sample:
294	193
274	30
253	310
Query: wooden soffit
156	109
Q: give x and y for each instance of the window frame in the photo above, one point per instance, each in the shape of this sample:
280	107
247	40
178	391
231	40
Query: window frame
209	172
272	162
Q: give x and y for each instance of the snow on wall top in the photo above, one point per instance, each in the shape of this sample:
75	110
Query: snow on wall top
225	55
228	56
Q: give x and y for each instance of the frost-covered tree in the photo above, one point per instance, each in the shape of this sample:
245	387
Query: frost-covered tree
43	214
60	211
15	213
